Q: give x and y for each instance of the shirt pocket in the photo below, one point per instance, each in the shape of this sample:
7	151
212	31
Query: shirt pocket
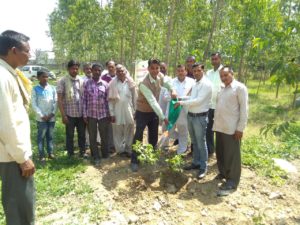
101	92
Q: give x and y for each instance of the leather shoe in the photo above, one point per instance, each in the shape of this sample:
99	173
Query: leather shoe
219	177
227	187
191	167
225	190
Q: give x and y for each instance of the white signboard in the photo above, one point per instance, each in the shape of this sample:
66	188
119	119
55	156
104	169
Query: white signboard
141	70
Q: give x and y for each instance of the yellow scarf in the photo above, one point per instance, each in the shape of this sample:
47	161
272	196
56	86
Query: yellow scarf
25	86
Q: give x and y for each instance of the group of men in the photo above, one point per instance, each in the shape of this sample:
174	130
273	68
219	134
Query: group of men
104	105
109	105
212	102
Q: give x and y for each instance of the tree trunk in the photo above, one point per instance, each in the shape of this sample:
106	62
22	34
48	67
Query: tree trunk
246	76
277	89
260	79
121	48
264	78
169	32
212	30
295	96
241	64
133	42
176	53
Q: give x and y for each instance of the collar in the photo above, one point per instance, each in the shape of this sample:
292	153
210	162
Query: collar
121	81
109	75
232	85
184	81
8	67
219	68
151	79
199	81
47	85
77	78
159	76
99	81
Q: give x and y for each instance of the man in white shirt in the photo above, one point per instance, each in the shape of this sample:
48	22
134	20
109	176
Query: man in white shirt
214	76
198	106
16	167
229	123
122	100
183	86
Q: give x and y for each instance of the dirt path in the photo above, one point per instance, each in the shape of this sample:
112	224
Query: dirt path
161	198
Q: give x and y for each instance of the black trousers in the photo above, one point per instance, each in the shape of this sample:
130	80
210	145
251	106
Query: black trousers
143	119
102	125
78	123
228	155
209	132
18	195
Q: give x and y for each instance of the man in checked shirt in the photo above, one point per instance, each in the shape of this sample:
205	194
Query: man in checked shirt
96	112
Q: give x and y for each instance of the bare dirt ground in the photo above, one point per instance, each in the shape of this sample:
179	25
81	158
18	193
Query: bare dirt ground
156	196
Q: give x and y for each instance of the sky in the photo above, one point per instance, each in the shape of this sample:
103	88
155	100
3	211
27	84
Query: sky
30	18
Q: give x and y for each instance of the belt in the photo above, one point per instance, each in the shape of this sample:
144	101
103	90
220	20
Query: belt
197	114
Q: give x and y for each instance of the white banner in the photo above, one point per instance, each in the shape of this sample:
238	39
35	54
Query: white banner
141	70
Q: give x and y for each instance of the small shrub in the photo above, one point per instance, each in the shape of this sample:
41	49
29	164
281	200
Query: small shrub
175	163
146	153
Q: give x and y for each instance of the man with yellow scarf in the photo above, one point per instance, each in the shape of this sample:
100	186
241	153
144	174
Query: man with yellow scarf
16	167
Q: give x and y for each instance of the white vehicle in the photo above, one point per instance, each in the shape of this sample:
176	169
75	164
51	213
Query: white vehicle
30	71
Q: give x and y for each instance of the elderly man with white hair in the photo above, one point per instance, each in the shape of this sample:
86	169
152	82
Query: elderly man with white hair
122	98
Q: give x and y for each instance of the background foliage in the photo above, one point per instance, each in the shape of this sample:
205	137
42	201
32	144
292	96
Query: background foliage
258	38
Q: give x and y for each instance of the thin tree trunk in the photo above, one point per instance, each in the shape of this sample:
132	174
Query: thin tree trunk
176	52
133	41
277	89
260	79
246	76
169	32
121	48
212	30
264	78
295	95
241	64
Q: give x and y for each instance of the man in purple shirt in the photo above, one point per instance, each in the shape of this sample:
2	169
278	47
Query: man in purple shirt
96	112
111	68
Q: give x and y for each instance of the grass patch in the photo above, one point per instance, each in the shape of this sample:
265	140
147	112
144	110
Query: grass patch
264	108
257	153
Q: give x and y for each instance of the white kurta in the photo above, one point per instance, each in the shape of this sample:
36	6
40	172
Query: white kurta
123	110
183	88
214	77
180	131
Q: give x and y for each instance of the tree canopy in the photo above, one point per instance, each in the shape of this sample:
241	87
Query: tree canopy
261	36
